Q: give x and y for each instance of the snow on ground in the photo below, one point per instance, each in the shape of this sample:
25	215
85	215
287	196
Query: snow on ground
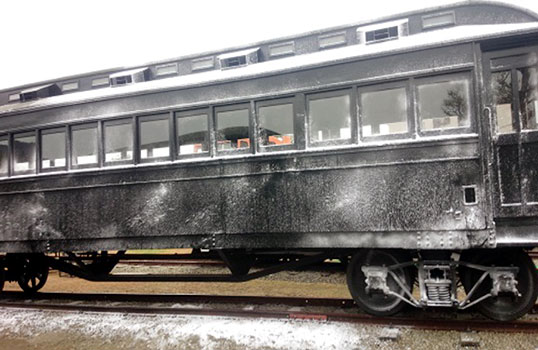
181	332
22	329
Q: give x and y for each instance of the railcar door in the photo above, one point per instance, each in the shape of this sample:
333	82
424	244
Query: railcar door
511	83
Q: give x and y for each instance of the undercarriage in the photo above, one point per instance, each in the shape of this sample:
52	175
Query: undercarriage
502	283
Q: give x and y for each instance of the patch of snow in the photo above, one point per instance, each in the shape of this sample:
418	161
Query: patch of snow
177	332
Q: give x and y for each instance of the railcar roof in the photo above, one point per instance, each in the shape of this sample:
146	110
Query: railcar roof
233	50
443	37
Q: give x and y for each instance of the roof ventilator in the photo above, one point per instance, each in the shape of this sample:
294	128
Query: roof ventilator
129	77
383	31
239	58
40	92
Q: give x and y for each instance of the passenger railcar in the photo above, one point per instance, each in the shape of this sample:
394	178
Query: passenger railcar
405	146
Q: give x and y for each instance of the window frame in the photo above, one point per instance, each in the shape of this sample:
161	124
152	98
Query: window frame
83	126
153	117
11	97
439	78
230	108
274	55
276	102
352	116
70	86
329	45
6	137
104	84
409	110
201	68
33	171
48	132
114	122
451	13
163	66
192	113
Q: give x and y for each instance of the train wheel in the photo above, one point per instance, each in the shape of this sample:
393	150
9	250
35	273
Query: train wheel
377	302
34	271
504	306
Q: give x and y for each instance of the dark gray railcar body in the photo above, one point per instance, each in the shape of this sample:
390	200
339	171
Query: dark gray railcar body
402	193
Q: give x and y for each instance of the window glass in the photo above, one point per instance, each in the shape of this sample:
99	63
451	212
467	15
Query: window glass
501	86
384	112
330	118
528	97
118	142
276	125
444	104
438	19
382	34
4	156
24	148
232	130
53	150
192	134
84	145
154	139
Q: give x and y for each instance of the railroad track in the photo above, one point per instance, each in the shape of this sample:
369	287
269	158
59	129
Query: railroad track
340	310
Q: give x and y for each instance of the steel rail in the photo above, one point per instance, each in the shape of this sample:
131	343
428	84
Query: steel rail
180	298
439	324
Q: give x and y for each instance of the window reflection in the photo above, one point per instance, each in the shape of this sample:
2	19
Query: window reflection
276	125
192	134
84	145
53	149
528	97
329	118
232	130
24	151
501	86
384	112
118	142
154	139
444	104
4	156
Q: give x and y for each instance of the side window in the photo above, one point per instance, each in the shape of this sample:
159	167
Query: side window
192	132
443	102
528	97
329	117
24	153
232	125
383	110
84	149
4	156
275	123
504	101
53	149
154	137
118	136
501	86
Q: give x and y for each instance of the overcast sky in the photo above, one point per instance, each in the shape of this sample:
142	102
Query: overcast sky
50	39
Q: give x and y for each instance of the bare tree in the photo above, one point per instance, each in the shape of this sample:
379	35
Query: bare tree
455	103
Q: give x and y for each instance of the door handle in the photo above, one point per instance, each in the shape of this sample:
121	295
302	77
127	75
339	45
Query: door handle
489	115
